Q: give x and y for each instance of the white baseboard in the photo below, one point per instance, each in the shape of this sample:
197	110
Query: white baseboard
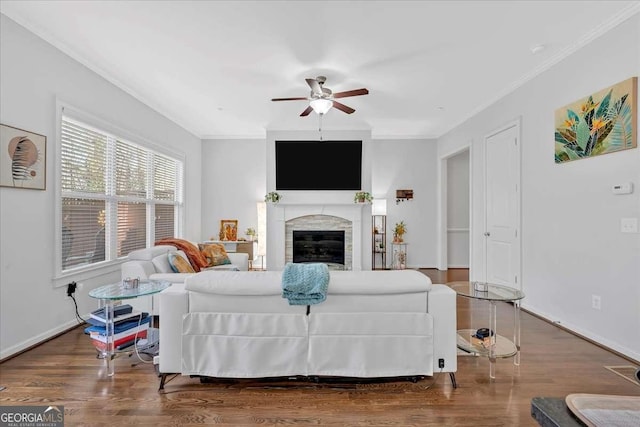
38	339
585	333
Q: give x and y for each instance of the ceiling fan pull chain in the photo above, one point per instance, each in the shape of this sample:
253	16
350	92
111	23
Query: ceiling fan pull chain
320	125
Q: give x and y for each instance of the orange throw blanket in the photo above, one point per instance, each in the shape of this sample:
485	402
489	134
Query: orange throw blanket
197	260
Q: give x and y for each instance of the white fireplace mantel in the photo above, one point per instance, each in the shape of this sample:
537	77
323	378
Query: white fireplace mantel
279	214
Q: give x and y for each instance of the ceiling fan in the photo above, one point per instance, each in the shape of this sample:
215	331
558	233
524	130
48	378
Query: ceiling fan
321	99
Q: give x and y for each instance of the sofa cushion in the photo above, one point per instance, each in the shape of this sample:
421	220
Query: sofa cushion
340	282
378	282
225	267
236	282
161	262
179	264
147	254
215	253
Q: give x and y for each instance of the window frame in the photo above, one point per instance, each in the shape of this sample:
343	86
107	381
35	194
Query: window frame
61	277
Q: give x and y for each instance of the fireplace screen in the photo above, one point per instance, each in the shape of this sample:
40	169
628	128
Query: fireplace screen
318	246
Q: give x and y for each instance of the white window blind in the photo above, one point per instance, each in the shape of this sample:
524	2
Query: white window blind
113	191
131	170
165	219
132	221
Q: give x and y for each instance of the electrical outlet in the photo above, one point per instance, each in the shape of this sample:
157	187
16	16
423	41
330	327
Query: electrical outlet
440	363
595	302
629	225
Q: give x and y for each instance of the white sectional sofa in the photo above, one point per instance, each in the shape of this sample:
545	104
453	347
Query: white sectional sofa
153	264
231	324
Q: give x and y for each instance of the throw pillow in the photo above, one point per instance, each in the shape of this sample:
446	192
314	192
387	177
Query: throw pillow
215	254
179	264
195	257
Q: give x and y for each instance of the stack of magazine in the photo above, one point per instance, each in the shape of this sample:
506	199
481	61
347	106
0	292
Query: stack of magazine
129	327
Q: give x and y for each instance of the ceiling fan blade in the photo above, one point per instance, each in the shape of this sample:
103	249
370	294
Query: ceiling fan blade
288	99
307	111
355	92
343	107
314	85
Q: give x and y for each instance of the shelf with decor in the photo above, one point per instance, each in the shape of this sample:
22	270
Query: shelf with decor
379	242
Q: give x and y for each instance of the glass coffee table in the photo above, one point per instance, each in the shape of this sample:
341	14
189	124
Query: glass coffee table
108	295
493	346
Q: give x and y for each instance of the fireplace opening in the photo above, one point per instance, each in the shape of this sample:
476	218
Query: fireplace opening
318	246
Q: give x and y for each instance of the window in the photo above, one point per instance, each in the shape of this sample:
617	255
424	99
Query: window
116	196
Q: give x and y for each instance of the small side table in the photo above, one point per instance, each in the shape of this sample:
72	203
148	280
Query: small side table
108	295
496	345
399	251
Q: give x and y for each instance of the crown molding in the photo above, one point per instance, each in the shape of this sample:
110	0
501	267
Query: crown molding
603	28
234	137
55	42
376	137
624	14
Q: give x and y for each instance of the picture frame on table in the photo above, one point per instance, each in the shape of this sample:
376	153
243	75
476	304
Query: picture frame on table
229	230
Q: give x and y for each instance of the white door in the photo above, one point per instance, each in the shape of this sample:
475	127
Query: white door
502	231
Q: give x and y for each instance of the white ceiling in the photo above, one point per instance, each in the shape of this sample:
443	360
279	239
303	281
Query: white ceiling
213	66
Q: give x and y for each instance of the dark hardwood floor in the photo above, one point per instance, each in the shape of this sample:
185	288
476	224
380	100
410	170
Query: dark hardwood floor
65	371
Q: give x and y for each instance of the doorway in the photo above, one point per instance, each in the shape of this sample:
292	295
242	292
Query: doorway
458	210
455	209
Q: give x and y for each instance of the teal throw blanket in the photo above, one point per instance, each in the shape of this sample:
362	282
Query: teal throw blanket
305	284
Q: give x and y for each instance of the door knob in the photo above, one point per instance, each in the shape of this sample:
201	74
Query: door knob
487	234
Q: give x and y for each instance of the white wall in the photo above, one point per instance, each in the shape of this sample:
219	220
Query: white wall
33	76
409	164
233	181
458	210
572	247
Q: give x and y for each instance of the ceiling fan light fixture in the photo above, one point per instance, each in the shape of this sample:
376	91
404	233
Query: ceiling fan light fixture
321	105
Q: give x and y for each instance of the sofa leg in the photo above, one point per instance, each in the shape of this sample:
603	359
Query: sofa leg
452	375
163	380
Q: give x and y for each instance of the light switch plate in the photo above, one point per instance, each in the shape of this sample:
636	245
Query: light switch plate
629	225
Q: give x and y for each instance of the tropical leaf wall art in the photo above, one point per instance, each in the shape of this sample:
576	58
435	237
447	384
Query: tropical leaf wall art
601	123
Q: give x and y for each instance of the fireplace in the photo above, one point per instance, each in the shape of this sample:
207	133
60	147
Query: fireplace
285	218
326	246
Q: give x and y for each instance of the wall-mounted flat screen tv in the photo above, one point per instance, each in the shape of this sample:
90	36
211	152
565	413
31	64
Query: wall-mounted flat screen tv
318	165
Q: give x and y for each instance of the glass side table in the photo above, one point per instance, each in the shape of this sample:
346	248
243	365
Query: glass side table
108	295
495	345
399	251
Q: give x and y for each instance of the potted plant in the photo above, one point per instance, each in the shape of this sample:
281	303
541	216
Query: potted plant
272	197
398	231
362	197
251	234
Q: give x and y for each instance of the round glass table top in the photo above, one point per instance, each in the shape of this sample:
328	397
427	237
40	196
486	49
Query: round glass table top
492	292
117	291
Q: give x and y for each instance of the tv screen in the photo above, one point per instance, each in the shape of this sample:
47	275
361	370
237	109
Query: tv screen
318	165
